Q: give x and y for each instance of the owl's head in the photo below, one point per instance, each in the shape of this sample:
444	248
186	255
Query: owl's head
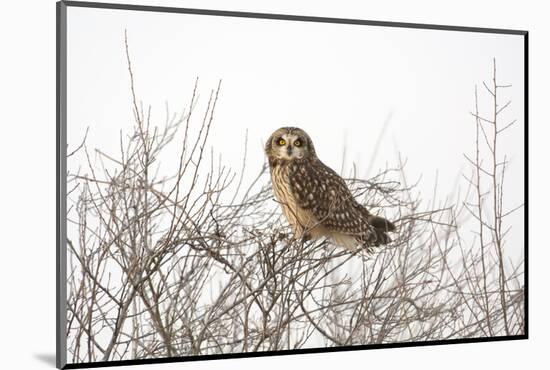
289	143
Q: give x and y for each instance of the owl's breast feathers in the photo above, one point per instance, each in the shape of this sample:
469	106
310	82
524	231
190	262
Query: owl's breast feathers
316	201
298	217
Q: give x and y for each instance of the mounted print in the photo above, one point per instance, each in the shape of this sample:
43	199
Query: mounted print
239	184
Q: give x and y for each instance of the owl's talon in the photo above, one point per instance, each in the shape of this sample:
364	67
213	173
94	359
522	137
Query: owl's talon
305	238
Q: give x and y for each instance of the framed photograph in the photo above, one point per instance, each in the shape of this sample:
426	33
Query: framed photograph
237	184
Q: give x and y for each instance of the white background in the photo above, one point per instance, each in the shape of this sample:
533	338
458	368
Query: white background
27	271
340	83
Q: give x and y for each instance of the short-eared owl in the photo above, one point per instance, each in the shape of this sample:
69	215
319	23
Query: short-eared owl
315	200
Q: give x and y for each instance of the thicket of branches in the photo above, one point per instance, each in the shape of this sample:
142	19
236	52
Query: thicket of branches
200	263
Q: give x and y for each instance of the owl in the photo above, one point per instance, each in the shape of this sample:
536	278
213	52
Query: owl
314	199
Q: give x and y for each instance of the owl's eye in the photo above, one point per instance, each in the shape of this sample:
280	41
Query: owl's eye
297	143
281	142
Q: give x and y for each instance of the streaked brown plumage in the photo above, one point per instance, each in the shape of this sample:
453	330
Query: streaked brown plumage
314	199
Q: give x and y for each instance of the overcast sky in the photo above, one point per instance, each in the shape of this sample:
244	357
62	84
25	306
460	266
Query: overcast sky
338	82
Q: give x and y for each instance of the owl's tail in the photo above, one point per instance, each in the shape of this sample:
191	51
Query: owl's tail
381	228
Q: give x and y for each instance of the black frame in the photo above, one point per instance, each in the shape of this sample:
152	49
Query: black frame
61	162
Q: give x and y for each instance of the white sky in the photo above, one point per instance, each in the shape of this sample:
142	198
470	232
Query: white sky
338	82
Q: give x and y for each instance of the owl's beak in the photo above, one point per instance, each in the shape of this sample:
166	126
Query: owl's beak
289	150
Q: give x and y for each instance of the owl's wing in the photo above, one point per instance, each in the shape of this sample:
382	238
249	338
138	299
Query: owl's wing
320	190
